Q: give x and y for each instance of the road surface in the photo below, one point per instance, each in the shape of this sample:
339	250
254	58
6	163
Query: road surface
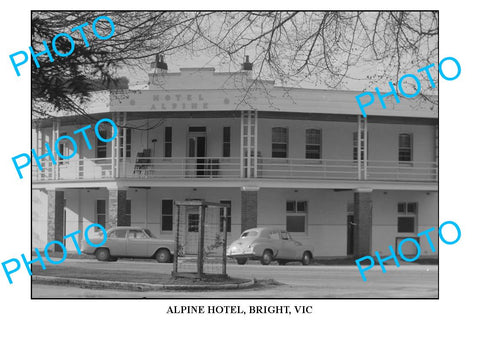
296	281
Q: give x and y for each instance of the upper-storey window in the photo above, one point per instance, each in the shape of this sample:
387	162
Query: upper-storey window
168	142
313	144
226	141
405	147
101	147
64	149
279	142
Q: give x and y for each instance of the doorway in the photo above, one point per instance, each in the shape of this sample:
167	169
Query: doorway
197	150
350	233
61	227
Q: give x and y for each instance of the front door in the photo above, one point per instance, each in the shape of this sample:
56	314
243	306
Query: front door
350	234
197	151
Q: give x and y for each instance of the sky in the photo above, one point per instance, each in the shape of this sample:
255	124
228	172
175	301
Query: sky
358	72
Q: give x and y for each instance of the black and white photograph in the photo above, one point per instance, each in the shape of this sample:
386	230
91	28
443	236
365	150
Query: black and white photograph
227	149
269	170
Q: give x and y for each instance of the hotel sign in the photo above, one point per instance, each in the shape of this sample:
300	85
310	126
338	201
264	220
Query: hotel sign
169	101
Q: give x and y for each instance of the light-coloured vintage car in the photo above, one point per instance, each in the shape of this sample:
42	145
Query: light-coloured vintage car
129	242
267	245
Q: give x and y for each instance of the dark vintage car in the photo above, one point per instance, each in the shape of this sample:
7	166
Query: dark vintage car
267	245
130	242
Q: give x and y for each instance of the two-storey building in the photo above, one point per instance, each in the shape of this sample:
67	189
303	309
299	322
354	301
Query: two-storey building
300	159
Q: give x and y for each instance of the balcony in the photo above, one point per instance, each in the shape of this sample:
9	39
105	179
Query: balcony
214	168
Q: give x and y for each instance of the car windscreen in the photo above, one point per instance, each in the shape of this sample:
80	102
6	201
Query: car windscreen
251	233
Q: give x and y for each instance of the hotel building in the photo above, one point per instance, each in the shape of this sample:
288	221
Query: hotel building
300	159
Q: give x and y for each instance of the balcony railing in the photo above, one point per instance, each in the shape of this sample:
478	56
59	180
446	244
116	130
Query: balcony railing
230	168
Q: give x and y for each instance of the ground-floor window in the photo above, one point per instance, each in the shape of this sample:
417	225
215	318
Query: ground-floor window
101	212
228	217
296	216
167	215
407	217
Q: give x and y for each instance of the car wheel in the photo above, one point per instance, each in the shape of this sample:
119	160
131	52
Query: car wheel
282	262
102	254
162	255
267	257
306	258
242	261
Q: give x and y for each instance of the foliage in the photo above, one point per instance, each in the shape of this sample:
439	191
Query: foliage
330	49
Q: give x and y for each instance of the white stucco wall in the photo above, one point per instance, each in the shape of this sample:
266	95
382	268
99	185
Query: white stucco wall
327	213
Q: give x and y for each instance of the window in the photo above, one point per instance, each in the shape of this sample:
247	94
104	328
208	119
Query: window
101	212
197	129
63	149
275	235
296	216
137	234
121	233
407	217
167	152
405	147
313	144
128	213
149	233
101	147
355	146
167	215
279	142
229	216
284	235
128	142
193	221
226	141
249	233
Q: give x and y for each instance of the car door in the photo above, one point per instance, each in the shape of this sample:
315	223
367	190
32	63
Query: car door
137	243
298	246
276	244
289	247
117	242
